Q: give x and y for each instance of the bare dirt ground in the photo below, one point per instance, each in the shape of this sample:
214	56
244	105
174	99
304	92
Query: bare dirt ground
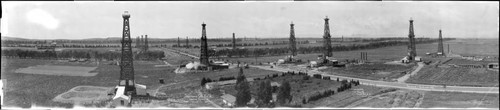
345	98
58	70
459	100
84	95
400	98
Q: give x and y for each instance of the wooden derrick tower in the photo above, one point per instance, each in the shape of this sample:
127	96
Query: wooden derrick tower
327	44
411	46
293	45
204	47
440	45
126	63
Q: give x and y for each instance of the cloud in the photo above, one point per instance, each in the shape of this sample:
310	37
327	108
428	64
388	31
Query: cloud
43	18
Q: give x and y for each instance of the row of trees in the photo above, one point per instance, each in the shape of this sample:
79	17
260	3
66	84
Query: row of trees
65	54
264	92
243	44
208	80
345	85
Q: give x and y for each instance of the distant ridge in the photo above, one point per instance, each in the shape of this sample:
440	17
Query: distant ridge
12	38
107	38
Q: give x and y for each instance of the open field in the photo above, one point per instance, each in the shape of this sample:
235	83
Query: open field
84	95
459	100
24	90
455	76
374	71
177	59
347	97
58	70
399	98
428	99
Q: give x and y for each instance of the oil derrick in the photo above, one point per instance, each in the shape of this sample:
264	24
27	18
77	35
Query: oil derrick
293	47
204	46
364	57
234	42
137	41
141	46
411	47
187	42
146	45
440	45
178	41
126	63
327	45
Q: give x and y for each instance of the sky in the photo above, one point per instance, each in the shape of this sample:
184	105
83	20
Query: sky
80	20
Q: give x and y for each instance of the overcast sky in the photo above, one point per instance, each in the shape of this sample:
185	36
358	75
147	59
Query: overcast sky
77	20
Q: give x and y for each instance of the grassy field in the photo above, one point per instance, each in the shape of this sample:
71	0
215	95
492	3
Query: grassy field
455	76
348	97
399	98
24	90
371	71
459	100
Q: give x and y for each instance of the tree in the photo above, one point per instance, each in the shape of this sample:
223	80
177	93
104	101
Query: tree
284	93
243	95
264	95
240	76
203	81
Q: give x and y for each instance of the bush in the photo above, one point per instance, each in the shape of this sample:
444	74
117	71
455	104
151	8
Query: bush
305	78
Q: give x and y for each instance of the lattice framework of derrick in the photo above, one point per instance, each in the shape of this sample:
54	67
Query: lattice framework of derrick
327	44
411	46
126	62
234	41
187	42
293	43
440	45
204	47
178	41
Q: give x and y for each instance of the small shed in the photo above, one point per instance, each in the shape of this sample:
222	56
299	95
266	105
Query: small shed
493	65
228	99
275	84
313	63
120	99
417	58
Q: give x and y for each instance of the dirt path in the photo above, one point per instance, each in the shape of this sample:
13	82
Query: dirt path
201	95
419	101
354	104
413	73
